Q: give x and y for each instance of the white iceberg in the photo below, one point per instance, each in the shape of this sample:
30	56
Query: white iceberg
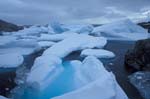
90	70
74	43
97	82
44	70
56	37
10	60
79	28
124	29
45	44
21	46
57	27
103	88
50	61
6	39
2	97
99	53
31	31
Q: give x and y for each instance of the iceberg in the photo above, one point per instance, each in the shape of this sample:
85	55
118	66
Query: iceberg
79	28
96	82
84	73
4	40
44	70
53	55
56	37
75	43
124	29
10	60
21	46
99	53
45	44
2	97
57	27
48	74
31	31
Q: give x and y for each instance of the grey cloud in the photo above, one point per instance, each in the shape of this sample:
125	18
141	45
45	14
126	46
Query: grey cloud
42	11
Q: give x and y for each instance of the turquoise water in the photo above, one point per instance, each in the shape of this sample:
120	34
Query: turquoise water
62	84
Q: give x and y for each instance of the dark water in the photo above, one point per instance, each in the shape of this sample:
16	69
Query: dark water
117	66
7	81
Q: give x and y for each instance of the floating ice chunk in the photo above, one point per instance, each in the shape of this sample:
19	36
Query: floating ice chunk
20	50
27	43
33	30
102	88
46	43
44	70
74	43
90	70
141	80
125	29
29	37
80	28
57	27
86	30
105	88
55	37
10	60
6	39
2	97
96	82
99	53
50	30
21	46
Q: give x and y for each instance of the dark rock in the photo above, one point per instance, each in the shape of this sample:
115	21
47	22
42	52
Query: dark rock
9	27
141	80
138	58
145	25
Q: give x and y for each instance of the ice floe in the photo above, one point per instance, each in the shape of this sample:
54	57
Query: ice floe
31	31
79	28
124	29
98	83
44	70
10	60
2	97
56	37
57	27
75	43
6	39
45	44
99	53
21	46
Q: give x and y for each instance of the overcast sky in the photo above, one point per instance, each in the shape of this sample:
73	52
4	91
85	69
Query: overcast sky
42	11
